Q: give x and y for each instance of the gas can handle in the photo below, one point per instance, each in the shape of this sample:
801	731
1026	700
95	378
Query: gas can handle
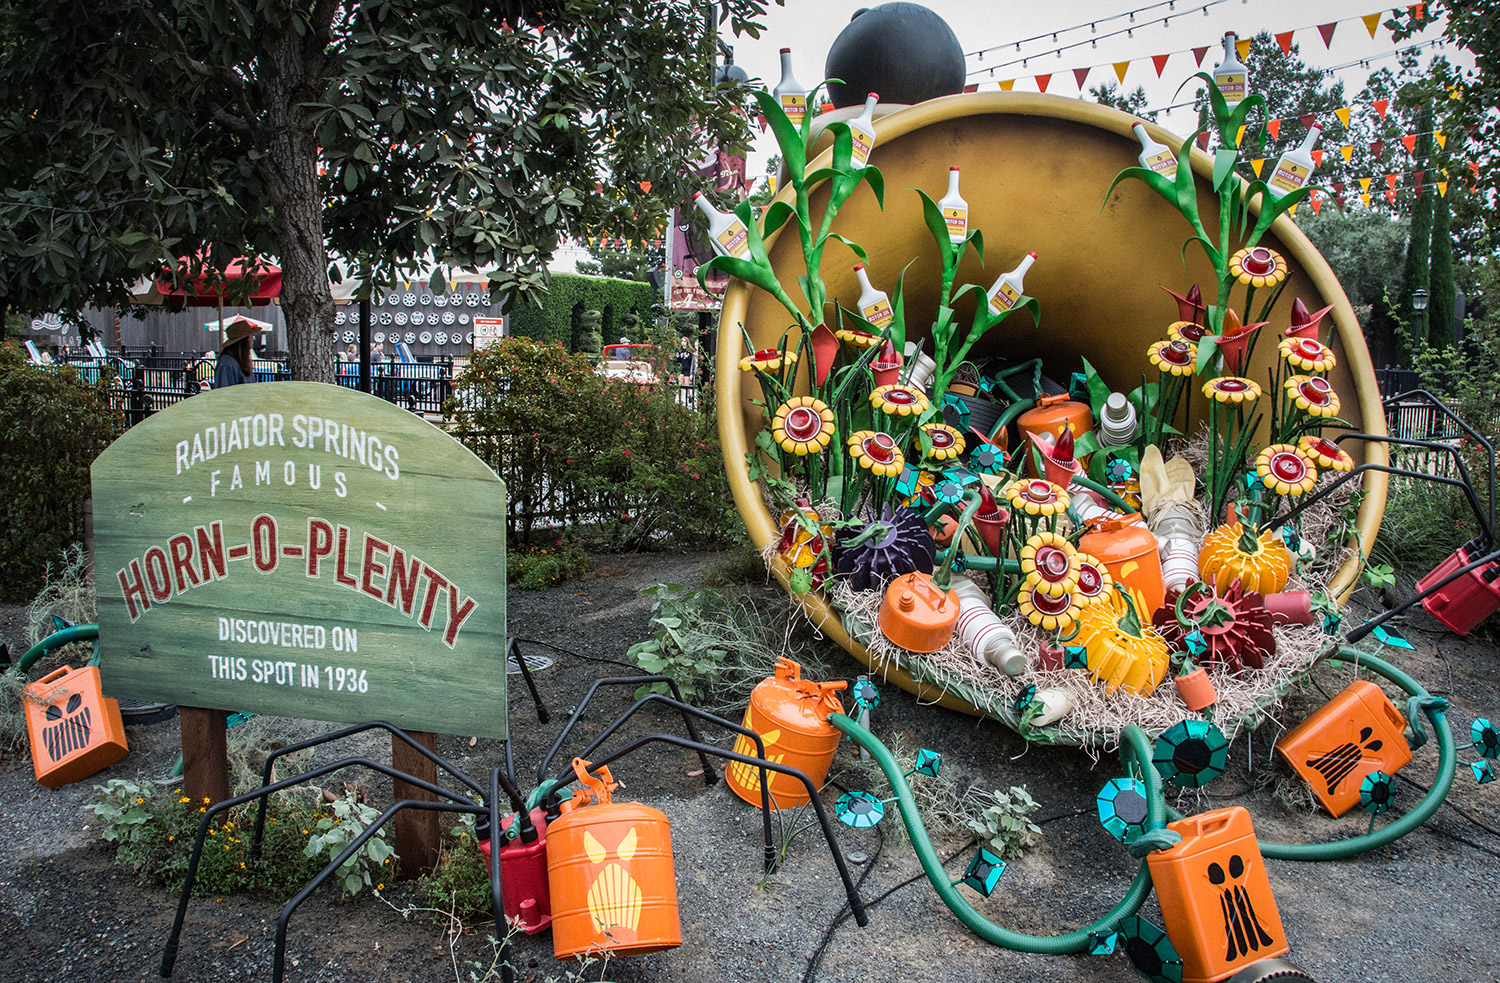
57	673
788	669
595	787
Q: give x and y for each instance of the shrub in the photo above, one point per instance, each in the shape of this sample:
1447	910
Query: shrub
460	884
52	426
612	299
547	566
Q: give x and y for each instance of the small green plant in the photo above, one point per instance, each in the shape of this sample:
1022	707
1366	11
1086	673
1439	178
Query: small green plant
13	736
460	883
128	812
1004	823
668	652
1380	575
547	566
335	832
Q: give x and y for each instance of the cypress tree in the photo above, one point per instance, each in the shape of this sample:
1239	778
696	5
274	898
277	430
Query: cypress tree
1440	333
1417	272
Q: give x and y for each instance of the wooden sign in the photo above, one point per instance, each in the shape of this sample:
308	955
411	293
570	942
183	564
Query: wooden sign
305	550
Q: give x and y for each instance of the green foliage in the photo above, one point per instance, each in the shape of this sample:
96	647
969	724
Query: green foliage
613	299
625	462
670	652
630	263
13	735
1004	824
1110	94
1442	289
460	884
1379	575
67	592
333	834
52	426
546	566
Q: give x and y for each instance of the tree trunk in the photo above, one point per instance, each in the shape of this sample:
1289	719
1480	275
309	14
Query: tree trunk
290	167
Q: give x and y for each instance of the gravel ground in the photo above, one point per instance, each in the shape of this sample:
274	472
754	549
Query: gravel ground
1422	909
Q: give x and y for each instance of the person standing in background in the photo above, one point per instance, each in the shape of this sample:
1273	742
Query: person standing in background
235	365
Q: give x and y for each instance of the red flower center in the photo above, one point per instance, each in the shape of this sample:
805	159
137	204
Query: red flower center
1040	492
941	439
1052	563
1258	261
1308	348
1316	391
1090	580
1192	332
880	448
1288	467
1324	447
803	424
901	397
767	354
1231	385
1177	353
1051	605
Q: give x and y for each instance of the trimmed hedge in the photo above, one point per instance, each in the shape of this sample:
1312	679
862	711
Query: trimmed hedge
560	318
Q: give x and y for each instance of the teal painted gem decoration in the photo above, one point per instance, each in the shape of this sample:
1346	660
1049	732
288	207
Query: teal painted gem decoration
1150	951
1292	538
1484	772
906	481
987	459
1122	808
963	476
866	696
1103	943
928	762
1331	622
1196	643
948	492
1118	470
1024	698
1191	753
860	810
1376	793
1486	738
984	872
1078	387
1391	637
1075	657
955	412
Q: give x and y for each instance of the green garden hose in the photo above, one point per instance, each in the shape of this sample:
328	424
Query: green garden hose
56	640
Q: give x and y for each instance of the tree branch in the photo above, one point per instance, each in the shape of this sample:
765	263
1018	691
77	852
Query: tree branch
217	72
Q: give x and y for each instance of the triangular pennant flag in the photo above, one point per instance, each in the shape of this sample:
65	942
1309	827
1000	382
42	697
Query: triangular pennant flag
1377	147
1242	47
1307	120
1257	164
1042	82
1203	140
1007	85
1364	183
1273	127
1292	211
1441	138
1411	142
1372	21
1285	40
1347	151
1317	206
1120	67
1317	156
1198	53
1343	114
762	118
1160	61
1443	188
1338	186
1082	75
972	88
1239	137
1474	166
1380	106
1391	195
1364	200
1327	31
1417	177
1391	179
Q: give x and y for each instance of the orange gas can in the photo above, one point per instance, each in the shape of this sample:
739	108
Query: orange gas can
1357	732
1049	416
1215	896
1129	552
75	729
609	871
791	716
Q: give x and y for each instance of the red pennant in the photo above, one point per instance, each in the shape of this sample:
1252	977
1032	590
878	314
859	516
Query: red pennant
1273	127
1391	196
1160	61
1042	81
1391	180
1198	53
1380	106
1285	40
1411	143
1474	166
972	88
1307	119
1082	75
1377	147
1327	31
1317	205
1203	142
1417	180
1317	156
762	118
1338	186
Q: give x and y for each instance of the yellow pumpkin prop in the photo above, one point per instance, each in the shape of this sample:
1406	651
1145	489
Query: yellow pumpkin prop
1262	563
1121	651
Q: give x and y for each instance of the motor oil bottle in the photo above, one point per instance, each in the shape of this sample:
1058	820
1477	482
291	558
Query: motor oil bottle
789	92
726	233
1007	290
1155	156
874	305
955	210
862	129
1295	166
1230	76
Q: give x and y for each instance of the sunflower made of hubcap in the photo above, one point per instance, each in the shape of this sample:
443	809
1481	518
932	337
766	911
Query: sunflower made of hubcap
1285	470
1036	497
803	425
1325	453
947	443
1313	395
1047	612
1307	354
876	453
1174	357
898	400
1050	564
1258	267
767	360
1232	389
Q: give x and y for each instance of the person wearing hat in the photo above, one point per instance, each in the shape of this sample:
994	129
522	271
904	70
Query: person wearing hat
235	366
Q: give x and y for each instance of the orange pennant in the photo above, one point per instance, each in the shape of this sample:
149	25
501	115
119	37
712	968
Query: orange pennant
1317	156
1327	31
1160	61
1082	75
1391	196
1380	106
1391	179
1343	114
1242	48
1273	127
1474	166
1317	205
1285	40
1042	81
1372	21
1257	164
1364	183
1443	188
1347	151
1411	142
1120	67
1007	85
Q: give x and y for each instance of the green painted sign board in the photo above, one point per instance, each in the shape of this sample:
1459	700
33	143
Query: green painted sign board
305	550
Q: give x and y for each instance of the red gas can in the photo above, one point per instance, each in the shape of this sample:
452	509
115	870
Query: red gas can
1470	599
524	894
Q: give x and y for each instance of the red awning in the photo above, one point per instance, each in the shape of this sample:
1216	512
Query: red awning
210	288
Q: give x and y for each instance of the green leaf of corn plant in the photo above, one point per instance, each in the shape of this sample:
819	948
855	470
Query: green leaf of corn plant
854	247
776	216
1231	130
1097	387
1217	103
932	214
791	143
1272	208
976	239
745	212
1224	160
1153	180
751	272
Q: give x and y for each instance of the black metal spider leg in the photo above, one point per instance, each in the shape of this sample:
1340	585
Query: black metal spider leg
169	953
511	646
1436	447
278	958
396	732
709	775
1278	521
855	904
689	711
1459	422
502	929
1369	626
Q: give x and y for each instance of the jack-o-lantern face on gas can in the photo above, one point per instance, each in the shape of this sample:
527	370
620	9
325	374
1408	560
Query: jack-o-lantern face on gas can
75	730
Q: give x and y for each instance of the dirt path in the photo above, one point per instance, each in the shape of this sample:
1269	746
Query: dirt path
1423	909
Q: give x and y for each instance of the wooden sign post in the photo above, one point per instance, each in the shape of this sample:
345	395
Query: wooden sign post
303	550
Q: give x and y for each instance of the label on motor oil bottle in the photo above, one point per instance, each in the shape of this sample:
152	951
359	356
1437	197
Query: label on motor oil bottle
878	313
1231	86
734	240
1004	299
795	108
1163	163
957	220
1289	177
863	144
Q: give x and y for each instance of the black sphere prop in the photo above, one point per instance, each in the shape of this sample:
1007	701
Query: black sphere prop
903	51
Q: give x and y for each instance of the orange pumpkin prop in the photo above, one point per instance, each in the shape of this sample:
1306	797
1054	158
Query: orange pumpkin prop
75	729
1215	896
1357	732
1263	563
1128	550
602	859
1121	651
791	716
